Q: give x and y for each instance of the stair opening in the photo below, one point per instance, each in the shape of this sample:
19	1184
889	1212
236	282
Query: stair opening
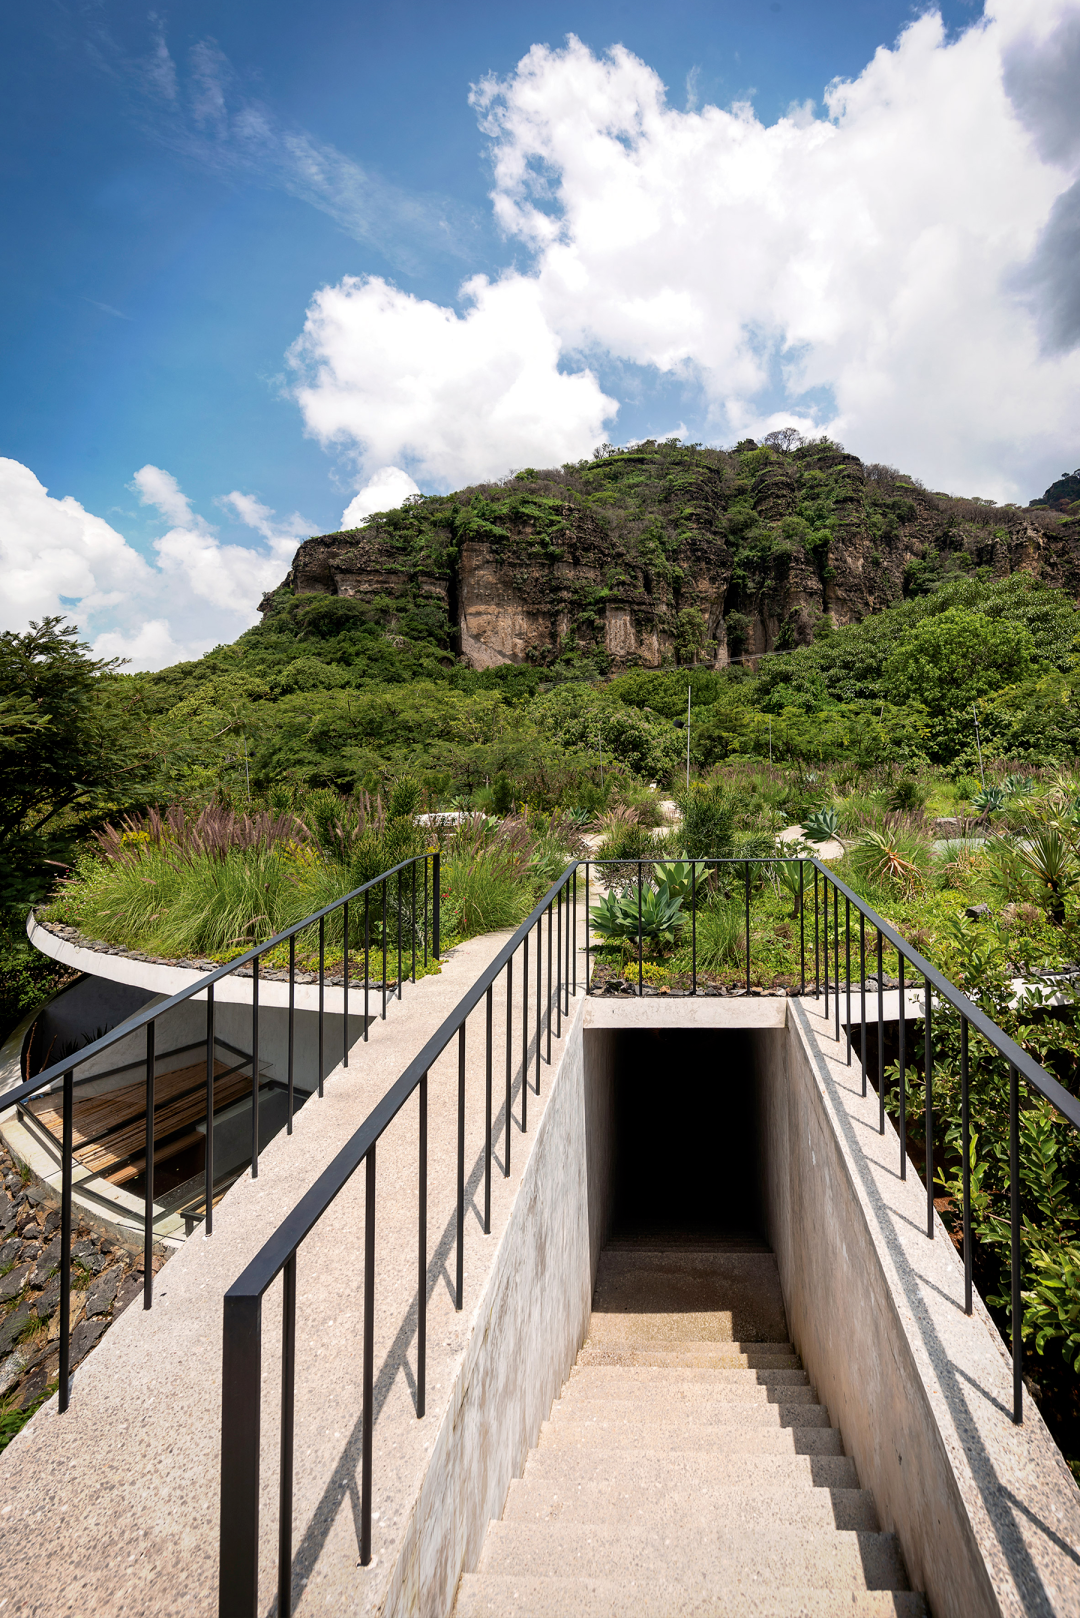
687	1139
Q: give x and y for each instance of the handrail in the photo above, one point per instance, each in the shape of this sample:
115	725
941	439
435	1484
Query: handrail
268	1262
141	1018
1040	1080
242	1310
242	1304
147	1020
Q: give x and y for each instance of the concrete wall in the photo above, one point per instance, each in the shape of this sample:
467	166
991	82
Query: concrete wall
986	1512
599	1096
523	1338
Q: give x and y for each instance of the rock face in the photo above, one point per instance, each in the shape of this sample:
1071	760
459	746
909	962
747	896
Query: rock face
669	554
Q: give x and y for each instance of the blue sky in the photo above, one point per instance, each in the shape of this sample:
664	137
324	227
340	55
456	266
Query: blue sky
180	187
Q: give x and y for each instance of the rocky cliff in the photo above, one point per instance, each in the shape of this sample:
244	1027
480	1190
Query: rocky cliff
670	554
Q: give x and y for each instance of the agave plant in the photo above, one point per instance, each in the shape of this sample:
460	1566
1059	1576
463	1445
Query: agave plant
682	879
822	826
988	801
616	918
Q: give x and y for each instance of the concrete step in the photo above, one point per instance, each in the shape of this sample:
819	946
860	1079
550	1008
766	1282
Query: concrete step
753	1504
641	1417
678	1376
677	1295
492	1596
701	1554
692	1400
659	1473
691	1354
737	1439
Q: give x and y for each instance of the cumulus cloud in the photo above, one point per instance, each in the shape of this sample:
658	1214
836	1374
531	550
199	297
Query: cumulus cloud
57	558
456	396
899	271
387	488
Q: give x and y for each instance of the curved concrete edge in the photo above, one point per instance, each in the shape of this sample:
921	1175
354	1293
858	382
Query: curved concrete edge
987	1513
170	980
108	1207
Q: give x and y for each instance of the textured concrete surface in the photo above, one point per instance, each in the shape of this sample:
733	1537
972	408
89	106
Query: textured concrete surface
749	1011
663	1298
112	1509
659	1490
986	1512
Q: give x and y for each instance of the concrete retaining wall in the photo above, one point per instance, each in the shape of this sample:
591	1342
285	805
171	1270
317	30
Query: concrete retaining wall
987	1513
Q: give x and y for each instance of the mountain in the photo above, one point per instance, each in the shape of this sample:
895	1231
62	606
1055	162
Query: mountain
669	554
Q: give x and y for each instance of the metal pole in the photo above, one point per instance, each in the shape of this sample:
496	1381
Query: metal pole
460	1278
1016	1317
255	1068
965	1122
148	1202
241	1398
421	1279
285	1482
929	1099
902	1065
208	1159
369	1358
68	1167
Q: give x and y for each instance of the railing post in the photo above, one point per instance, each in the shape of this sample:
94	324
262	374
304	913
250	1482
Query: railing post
148	1203
345	985
880	1037
509	1062
487	1109
817	940
902	1066
640	943
322	966
367	960
292	1025
847	970
255	1068
862	992
539	994
693	927
1016	1316
421	1278
525	1034
436	905
369	1357
68	1169
802	929
208	1164
746	875
929	1124
573	952
459	1280
241	1395
288	1406
588	945
965	1127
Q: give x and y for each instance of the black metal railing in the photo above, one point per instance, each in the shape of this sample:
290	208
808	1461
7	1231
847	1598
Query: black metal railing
241	1397
396	912
833	977
937	991
824	958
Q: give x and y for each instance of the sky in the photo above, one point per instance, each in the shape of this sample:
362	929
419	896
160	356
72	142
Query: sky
267	269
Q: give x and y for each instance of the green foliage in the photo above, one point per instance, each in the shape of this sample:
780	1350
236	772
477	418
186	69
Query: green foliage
653	914
822	826
708	820
71	746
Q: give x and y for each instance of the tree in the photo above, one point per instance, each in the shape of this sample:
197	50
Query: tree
69	751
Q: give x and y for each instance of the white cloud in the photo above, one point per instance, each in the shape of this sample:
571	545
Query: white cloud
57	558
385	489
458	396
875	255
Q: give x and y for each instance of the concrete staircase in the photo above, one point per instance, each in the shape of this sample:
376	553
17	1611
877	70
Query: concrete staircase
687	1470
